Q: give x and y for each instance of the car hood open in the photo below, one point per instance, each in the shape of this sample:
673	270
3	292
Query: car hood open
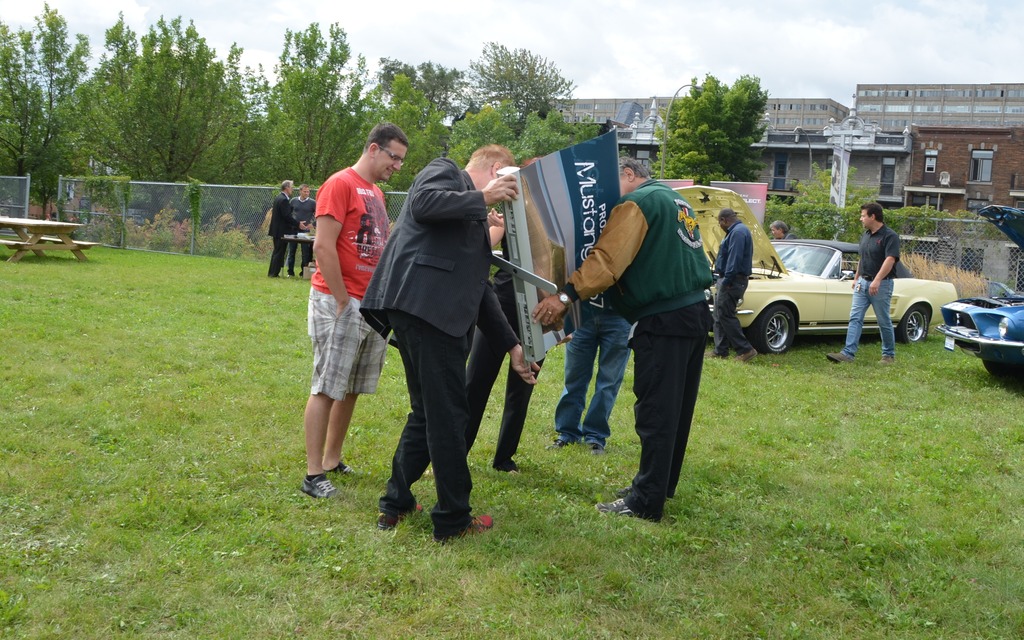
1009	220
707	202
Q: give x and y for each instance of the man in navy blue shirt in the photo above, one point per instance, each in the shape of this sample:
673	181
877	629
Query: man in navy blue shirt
733	266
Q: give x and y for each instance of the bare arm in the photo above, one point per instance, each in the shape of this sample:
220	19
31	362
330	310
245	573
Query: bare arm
325	248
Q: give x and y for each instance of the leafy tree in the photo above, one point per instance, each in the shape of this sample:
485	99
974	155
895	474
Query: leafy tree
444	88
530	83
812	215
41	72
488	126
317	109
540	136
421	121
244	154
710	132
165	104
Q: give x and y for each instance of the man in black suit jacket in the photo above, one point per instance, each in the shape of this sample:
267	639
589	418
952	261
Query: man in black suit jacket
281	224
431	286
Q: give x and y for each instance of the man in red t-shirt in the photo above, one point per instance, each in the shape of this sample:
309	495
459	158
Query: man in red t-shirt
348	356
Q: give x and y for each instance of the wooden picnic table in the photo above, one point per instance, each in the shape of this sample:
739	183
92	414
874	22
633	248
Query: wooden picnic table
40	236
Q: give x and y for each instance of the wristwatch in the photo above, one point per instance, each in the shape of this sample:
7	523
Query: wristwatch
563	297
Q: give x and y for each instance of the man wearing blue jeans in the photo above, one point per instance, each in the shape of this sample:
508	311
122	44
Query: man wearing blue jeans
604	337
872	284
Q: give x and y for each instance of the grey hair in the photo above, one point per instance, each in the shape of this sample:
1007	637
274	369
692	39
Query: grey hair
780	225
634	165
286	184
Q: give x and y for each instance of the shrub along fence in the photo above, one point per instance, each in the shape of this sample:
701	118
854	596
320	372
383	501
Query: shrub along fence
189	218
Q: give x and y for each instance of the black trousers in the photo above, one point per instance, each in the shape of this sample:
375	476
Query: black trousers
728	332
277	257
666	378
435	430
481	373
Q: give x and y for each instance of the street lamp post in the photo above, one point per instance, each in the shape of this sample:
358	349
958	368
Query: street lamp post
664	128
807	137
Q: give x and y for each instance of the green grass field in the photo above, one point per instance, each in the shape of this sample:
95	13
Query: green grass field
151	455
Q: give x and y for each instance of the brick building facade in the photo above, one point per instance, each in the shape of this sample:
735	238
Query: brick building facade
953	168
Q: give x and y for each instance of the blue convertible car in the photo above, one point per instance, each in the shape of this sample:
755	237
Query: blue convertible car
991	328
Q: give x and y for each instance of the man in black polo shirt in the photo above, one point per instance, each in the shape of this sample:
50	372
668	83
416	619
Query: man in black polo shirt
872	285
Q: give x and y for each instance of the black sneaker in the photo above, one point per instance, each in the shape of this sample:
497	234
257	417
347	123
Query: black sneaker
479	524
318	487
623	492
617	507
386	522
596	449
558	444
341	468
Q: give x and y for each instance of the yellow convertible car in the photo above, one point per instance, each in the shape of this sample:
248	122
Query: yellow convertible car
804	286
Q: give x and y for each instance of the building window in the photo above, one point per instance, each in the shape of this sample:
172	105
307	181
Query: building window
974	205
897	108
987	108
957	108
981	165
887	179
931	156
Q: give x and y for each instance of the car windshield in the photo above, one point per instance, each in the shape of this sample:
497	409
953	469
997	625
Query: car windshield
806	259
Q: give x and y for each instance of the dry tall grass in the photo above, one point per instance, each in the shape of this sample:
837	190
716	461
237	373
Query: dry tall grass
967	283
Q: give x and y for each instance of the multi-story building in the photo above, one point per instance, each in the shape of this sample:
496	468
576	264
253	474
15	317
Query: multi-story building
896	106
601	110
809	113
806	113
954	168
878	158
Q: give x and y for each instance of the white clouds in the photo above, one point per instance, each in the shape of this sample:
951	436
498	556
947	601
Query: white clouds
798	48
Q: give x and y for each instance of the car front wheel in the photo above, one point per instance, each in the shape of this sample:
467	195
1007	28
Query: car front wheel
774	330
1003	370
913	327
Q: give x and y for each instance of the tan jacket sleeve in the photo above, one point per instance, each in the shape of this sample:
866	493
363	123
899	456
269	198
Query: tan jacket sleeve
613	253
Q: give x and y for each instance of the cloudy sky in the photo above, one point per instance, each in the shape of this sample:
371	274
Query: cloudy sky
798	48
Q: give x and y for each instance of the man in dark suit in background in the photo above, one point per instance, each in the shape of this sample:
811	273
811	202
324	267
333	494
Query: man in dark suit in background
304	213
281	224
431	286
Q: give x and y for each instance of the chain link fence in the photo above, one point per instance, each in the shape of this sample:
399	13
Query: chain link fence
233	223
971	245
14	196
155	216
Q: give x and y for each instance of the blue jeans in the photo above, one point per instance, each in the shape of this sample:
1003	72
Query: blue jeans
604	337
880	302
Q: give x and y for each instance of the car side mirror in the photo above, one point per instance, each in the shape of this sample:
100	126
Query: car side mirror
846	275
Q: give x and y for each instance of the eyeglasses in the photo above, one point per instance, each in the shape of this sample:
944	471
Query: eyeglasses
394	156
